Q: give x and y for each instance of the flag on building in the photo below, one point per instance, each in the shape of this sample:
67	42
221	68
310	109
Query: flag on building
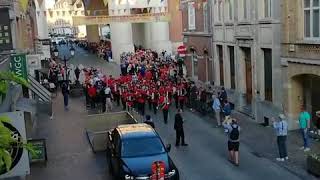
24	4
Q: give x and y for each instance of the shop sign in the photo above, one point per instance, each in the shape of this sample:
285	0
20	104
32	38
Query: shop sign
18	65
40	150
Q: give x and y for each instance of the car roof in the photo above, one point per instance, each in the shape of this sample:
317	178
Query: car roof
131	131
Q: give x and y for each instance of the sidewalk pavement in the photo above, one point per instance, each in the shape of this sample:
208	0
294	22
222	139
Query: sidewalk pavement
262	141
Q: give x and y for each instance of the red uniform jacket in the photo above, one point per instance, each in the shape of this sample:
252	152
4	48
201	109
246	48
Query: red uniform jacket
162	104
92	91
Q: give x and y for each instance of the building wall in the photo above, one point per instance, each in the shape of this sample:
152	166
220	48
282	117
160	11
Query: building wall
59	18
198	39
23	25
256	32
301	65
175	25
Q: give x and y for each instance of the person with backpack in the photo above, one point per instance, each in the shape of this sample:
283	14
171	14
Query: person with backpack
233	131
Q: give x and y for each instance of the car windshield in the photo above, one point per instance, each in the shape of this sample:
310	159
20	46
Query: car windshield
141	147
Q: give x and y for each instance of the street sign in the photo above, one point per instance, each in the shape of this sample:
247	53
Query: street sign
40	150
18	65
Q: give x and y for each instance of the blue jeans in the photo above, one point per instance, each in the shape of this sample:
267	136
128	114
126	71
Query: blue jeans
305	137
66	100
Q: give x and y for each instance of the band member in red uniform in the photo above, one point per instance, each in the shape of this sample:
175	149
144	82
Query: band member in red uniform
164	104
116	92
130	100
123	94
154	99
148	95
141	102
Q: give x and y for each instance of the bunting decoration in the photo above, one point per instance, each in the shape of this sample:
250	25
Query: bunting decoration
51	13
24	4
105	2
199	6
86	2
40	2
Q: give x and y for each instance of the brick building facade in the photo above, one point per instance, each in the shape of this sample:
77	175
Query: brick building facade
197	37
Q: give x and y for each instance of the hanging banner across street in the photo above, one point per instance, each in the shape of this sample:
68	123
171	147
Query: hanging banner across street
140	18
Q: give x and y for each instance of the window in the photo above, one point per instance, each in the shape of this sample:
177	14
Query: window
205	17
267	74
229	9
312	18
191	16
221	68
267	8
232	67
244	6
137	147
218	10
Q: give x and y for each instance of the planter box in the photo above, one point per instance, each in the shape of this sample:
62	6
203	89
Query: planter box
313	166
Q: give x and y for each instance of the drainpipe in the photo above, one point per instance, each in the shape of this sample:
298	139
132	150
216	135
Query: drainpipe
210	12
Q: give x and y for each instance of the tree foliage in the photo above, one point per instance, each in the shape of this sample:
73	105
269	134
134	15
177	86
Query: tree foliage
6	78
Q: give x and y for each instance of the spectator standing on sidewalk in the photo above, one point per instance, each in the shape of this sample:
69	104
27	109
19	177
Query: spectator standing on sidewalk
226	109
178	126
216	106
304	123
223	95
318	122
281	127
233	131
65	92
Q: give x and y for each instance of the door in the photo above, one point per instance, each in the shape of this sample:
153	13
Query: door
248	71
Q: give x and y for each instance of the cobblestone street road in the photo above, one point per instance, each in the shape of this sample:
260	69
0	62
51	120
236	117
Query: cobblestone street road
70	156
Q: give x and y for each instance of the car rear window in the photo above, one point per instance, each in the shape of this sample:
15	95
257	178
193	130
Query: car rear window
141	147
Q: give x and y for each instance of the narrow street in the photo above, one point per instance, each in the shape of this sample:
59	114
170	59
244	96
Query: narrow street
70	156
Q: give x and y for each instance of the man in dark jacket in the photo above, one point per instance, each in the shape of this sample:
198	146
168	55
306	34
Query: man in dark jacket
178	126
149	121
65	93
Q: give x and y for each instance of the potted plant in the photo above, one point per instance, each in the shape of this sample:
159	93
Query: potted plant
313	164
8	144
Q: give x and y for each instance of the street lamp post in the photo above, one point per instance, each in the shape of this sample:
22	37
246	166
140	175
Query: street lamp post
56	54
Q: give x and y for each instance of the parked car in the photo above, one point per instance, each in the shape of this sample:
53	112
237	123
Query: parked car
133	148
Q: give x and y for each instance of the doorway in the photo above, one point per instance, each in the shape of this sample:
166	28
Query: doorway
248	73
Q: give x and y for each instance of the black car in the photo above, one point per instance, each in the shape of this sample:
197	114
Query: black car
132	149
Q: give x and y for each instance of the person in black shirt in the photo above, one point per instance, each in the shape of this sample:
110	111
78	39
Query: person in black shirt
178	126
149	121
65	93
